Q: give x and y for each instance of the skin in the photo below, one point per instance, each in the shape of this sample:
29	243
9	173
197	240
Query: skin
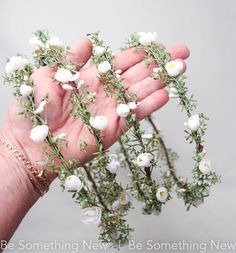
17	193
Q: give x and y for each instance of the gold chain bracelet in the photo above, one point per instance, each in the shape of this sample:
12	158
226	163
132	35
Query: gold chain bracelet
35	175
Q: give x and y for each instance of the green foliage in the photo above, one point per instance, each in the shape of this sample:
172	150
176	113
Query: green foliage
100	187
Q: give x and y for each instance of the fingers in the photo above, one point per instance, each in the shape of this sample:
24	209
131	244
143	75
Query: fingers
179	52
152	103
131	57
137	73
141	70
145	87
128	58
81	51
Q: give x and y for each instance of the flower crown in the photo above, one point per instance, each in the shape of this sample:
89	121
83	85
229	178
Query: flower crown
104	200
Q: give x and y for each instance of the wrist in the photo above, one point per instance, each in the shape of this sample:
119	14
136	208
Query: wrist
13	169
36	176
33	152
17	194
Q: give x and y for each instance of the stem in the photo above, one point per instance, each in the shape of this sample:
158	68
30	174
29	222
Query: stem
84	116
49	138
169	163
56	151
91	179
138	135
130	166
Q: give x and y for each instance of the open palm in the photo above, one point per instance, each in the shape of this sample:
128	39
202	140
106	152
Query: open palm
135	73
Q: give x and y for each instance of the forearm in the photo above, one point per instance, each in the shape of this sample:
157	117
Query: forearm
17	193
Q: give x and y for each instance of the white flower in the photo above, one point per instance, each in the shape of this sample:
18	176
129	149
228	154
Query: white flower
99	50
114	156
116	205
10	68
174	68
147	136
80	83
118	76
73	183
121	157
36	43
91	215
113	166
156	70
133	105
39	110
99	122
199	183
197	203
124	198
39	133
63	75
173	93
26	90
25	78
118	71
104	67
182	190
54	41
41	163
168	173
75	77
15	63
144	160
193	122
60	137
67	87
205	166
19	61
43	103
147	38
40	107
123	110
92	95
162	194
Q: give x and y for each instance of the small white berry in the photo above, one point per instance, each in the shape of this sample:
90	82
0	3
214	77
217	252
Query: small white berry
26	90
123	110
99	122
73	183
104	67
39	133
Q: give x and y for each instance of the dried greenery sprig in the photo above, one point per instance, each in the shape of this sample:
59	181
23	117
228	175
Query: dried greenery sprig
85	182
103	200
144	186
171	74
113	227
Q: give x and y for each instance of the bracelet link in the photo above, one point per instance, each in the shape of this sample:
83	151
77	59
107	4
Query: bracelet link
35	175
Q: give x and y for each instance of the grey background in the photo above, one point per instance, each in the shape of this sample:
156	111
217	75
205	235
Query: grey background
208	28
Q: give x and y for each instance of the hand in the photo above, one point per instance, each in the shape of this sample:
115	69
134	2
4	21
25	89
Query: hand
135	73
